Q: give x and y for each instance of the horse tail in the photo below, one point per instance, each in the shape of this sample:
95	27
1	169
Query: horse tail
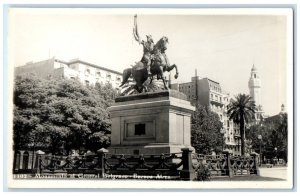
126	75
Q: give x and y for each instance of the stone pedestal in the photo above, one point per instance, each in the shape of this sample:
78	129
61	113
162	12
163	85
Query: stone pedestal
151	123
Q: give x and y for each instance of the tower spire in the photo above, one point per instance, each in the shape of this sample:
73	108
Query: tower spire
254	85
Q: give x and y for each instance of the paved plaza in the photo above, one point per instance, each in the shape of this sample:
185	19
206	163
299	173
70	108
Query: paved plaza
275	172
266	174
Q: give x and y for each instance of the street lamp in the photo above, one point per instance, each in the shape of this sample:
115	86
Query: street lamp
260	155
275	153
260	138
222	132
33	149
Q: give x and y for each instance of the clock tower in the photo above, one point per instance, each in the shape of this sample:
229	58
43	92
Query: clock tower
254	85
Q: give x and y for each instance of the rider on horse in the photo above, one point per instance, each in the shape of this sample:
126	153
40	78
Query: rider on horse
148	50
148	46
153	63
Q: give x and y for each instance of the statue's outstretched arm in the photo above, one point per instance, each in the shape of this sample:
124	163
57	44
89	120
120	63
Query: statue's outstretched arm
136	36
135	30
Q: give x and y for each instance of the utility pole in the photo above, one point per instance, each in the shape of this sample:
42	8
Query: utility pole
260	155
196	86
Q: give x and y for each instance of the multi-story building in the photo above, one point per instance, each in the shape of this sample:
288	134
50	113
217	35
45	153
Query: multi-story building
209	93
87	73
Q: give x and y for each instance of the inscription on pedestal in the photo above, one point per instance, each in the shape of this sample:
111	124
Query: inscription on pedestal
140	129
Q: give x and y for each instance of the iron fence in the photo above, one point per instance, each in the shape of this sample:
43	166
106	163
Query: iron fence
182	165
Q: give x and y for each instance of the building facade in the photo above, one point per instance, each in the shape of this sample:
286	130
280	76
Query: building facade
276	117
207	92
85	72
254	85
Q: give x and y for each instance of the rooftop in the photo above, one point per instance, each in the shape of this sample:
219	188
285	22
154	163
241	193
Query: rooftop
73	62
92	65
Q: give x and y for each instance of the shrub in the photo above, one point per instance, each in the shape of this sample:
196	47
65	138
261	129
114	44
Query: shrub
202	173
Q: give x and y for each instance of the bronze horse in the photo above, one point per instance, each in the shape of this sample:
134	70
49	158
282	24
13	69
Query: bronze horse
159	64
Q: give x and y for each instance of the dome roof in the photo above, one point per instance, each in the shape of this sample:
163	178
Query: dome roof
253	68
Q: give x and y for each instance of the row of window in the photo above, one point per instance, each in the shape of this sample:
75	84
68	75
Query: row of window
218	98
87	82
231	139
215	88
98	75
88	72
186	88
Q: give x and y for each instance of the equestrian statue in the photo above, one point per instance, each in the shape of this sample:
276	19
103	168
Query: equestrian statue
153	63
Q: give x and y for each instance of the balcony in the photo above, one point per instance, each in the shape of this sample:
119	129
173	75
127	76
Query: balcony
217	102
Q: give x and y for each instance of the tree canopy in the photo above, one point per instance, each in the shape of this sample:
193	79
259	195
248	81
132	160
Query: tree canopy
62	114
274	135
206	131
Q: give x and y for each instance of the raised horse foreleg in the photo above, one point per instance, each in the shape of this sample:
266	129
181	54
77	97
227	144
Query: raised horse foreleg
169	68
160	75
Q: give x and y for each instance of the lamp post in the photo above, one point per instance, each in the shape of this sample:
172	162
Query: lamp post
275	152
260	138
33	154
222	132
33	149
260	155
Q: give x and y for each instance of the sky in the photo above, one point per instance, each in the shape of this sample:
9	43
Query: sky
221	46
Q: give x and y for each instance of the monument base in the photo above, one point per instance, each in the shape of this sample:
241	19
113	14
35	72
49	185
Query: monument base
151	123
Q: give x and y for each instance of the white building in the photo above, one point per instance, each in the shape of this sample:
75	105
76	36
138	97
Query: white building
254	85
87	73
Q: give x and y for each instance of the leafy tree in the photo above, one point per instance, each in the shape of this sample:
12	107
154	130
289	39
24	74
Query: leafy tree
283	129
283	125
252	133
60	114
206	127
241	111
107	92
29	91
273	132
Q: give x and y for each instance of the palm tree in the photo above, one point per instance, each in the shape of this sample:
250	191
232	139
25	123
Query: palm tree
241	111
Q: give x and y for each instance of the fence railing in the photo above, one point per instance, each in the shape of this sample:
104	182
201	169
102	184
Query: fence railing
164	164
69	164
216	164
182	166
228	165
243	165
